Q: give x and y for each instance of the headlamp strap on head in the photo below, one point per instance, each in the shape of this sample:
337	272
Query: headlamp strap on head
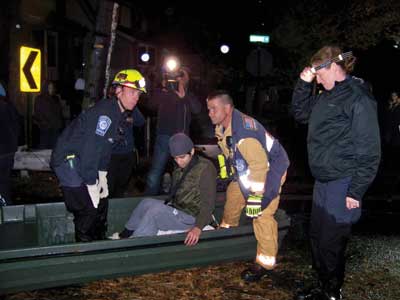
336	59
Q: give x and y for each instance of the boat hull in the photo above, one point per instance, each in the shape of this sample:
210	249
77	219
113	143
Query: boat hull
38	250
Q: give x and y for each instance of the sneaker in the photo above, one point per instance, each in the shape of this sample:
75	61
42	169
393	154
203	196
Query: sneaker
114	236
125	234
254	273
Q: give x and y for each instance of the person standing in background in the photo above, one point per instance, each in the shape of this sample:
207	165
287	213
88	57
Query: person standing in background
48	115
175	107
392	143
9	124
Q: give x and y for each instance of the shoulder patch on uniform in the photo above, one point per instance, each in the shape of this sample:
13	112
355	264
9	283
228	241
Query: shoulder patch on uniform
103	124
249	123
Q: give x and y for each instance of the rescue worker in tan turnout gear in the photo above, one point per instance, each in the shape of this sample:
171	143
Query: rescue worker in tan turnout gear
257	164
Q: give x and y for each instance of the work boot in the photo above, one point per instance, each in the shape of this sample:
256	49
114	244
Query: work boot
313	291
310	293
98	232
332	289
333	295
81	237
254	273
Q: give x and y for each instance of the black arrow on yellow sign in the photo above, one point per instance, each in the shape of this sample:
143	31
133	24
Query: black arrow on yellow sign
27	69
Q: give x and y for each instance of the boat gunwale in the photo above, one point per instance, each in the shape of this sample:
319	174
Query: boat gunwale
132	243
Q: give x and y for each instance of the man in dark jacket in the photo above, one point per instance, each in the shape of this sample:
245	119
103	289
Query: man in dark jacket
344	153
191	200
175	107
82	153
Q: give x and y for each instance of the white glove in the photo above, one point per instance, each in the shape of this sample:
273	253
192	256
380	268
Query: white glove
103	184
94	193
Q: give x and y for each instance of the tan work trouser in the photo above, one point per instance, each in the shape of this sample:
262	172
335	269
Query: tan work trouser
265	227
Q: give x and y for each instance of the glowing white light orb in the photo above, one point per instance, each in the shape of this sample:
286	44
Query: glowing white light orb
171	64
224	49
145	57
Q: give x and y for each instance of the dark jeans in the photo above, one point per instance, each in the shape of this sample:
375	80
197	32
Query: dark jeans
90	223
160	159
6	165
119	172
330	230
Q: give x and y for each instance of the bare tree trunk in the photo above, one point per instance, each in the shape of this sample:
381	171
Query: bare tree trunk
114	24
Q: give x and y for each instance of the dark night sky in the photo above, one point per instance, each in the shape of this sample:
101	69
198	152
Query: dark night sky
206	24
216	21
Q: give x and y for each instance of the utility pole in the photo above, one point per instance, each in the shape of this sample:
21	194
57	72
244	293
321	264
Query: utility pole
98	57
114	24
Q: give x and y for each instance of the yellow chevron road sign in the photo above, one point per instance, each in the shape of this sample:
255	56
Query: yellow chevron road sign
29	69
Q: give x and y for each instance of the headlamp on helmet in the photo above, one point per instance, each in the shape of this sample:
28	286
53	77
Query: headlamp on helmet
130	78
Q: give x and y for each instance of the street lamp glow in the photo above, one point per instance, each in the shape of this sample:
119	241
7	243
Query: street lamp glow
224	49
145	57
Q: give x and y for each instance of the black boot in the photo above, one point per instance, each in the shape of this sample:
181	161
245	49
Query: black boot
312	292
125	234
82	237
254	273
333	295
332	289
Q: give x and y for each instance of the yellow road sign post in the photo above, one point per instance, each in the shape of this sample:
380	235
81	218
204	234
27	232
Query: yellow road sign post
29	69
29	79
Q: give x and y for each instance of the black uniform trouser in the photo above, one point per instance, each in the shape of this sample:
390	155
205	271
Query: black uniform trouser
119	172
90	223
330	230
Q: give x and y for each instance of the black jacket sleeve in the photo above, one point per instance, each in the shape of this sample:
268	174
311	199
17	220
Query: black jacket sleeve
194	104
365	131
155	99
91	151
303	101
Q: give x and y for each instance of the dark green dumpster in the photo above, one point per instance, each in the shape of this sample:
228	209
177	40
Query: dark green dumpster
37	248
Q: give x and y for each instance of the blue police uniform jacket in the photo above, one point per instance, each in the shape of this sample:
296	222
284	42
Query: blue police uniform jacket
125	141
85	146
243	127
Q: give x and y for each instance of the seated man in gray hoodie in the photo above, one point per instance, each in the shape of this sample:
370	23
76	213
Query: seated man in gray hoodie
191	200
